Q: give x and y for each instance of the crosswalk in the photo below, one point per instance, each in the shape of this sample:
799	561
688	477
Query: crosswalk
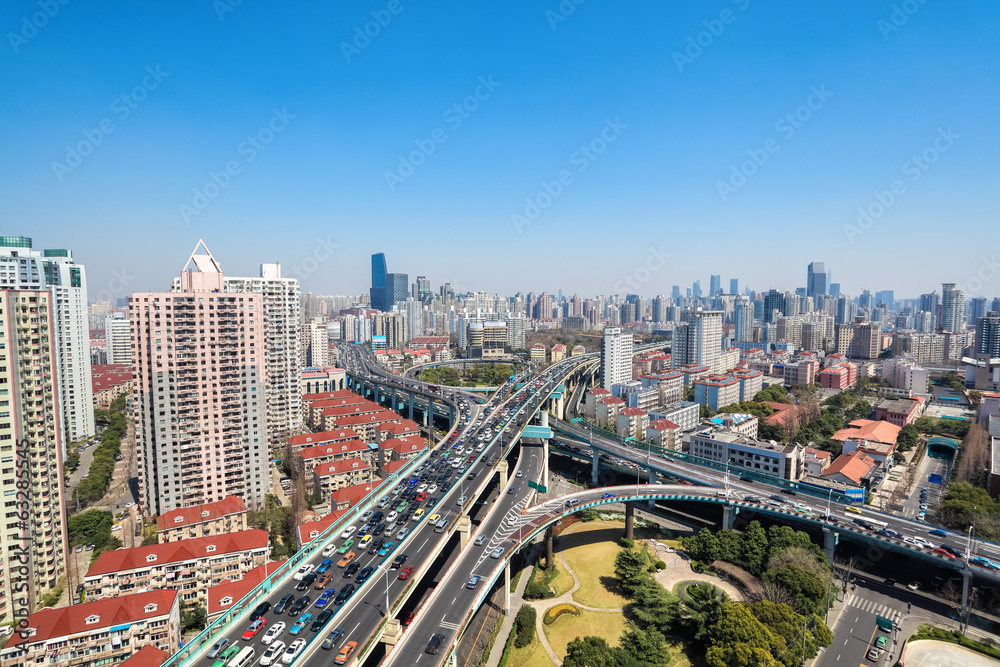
449	625
872	607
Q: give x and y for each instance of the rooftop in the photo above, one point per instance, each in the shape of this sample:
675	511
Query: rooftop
869	429
855	466
185	516
135	558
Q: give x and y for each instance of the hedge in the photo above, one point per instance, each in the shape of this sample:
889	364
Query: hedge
553	613
953	637
525	624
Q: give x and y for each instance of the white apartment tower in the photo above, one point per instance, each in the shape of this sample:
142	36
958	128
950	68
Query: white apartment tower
200	373
33	538
55	271
616	357
699	341
952	308
118	338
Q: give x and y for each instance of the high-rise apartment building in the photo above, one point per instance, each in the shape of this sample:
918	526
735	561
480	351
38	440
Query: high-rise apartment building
714	284
952	308
699	341
775	301
118	338
743	319
988	335
616	357
317	341
516	329
380	281
54	270
859	340
977	308
33	538
734	286
816	279
199	378
392	326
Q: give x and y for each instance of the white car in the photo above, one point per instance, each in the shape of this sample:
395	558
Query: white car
292	651
422	488
273	632
272	653
329	551
391	517
520	473
348	532
116	527
303	571
461	500
432	488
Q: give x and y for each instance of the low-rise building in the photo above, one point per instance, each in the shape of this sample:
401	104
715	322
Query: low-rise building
898	411
736	422
102	632
607	411
557	353
401	429
191	566
334	437
228	515
664	433
669	385
855	469
869	429
717	391
745	453
841	376
578	350
632	423
108	382
692	372
802	371
308	458
401	449
327	477
683	413
880	452
367	426
321	379
815	461
538	353
229	591
905	374
751	382
590	401
349	496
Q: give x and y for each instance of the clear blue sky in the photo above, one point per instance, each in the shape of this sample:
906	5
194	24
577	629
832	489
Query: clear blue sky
887	96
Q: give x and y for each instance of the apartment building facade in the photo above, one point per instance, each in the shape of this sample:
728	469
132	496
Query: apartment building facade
228	515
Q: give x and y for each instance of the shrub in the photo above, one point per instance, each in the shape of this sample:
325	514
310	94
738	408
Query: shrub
626	543
660	565
555	612
588	515
651	569
537	590
525	624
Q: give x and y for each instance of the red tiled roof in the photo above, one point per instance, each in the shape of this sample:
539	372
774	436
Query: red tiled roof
328	394
147	656
400	428
392	466
51	623
610	400
310	530
348	410
185	516
404	445
236	590
337	435
356	493
599	391
374	418
853	465
663	425
632	412
817	453
340	467
348	447
868	429
171	552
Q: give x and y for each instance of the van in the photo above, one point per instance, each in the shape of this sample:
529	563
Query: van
244	658
441	525
572	502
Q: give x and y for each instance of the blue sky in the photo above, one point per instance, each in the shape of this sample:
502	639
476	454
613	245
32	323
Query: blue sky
201	79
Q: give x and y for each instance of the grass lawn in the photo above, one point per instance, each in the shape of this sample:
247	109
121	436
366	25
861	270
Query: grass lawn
567	627
563	580
590	551
532	655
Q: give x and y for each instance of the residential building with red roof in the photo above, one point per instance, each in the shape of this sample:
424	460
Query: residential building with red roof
840	376
853	469
228	515
717	391
816	461
191	565
432	343
557	353
231	591
349	496
400	429
538	353
693	372
578	350
366	426
401	449
664	433
869	429
329	417
147	656
327	477
307	531
308	458
632	423
590	401
608	408
108	382
336	436
104	631
899	411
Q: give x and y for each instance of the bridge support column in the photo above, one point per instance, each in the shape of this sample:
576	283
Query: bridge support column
595	464
506	589
411	406
502	469
545	450
548	548
395	403
629	519
392	632
966	580
464	528
728	517
829	544
650	504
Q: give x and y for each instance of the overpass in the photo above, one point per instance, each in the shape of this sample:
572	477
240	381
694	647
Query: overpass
416	368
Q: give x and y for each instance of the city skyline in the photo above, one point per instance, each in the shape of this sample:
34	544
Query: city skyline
691	135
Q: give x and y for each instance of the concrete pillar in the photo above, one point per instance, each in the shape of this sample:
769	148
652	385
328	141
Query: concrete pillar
391	633
650	504
595	463
966	580
728	517
548	548
395	403
544	416
411	405
430	412
629	519
502	468
464	528
545	462
829	543
506	589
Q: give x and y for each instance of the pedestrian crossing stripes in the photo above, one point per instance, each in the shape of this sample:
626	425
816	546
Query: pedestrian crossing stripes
873	607
449	625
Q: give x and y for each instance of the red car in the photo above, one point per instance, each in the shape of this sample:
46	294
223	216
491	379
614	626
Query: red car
405	572
254	628
942	552
409	619
421	497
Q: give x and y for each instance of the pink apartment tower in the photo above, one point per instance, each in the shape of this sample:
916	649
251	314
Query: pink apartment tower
199	377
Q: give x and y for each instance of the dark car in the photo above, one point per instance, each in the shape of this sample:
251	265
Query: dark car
260	610
403	518
299	605
379	529
398	561
344	594
321	620
375	518
375	546
778	498
364	574
351	569
746	478
306	582
283	603
434	645
333	639
889	583
790	492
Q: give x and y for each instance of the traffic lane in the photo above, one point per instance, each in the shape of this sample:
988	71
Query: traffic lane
429	622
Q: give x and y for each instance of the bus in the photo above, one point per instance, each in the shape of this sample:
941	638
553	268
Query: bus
877	525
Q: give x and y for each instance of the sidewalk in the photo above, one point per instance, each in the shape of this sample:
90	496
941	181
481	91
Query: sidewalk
516	599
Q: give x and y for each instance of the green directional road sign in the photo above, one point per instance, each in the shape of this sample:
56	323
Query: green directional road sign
541	488
883	623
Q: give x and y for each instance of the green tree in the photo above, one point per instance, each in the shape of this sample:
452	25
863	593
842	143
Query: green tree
738	639
786	628
647	646
754	548
806	589
589	652
702	610
524	622
193	618
730	546
654	606
702	546
630	570
908	438
92	526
